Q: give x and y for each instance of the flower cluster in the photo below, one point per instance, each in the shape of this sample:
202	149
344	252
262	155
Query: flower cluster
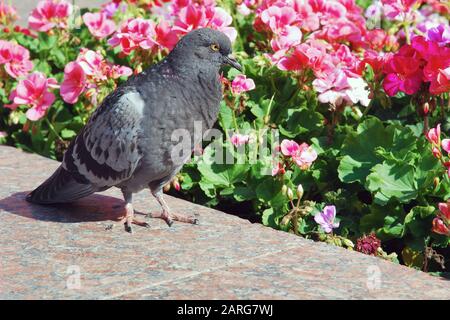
434	137
50	14
241	84
320	36
34	93
136	33
15	59
238	139
89	73
441	224
192	16
302	155
99	24
180	18
424	61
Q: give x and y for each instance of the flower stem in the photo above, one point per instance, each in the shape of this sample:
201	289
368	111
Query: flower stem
407	35
52	129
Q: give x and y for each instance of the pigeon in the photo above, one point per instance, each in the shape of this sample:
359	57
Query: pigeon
127	142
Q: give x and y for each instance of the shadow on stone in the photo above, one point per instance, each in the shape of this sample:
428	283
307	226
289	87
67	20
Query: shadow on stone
92	208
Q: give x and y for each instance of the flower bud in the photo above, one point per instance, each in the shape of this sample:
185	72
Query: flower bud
166	187
437	153
284	189
290	194
357	112
337	242
440	227
426	108
176	184
348	243
300	191
436	182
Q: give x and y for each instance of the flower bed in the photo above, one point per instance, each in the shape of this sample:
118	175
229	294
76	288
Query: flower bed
356	94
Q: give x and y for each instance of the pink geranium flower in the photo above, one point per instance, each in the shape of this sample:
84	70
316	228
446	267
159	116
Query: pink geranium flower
289	148
166	36
312	54
439	34
326	219
136	33
296	61
286	38
434	135
98	24
89	72
238	139
50	14
399	9
446	145
444	208
221	20
403	72
437	60
190	18
241	84
307	19
16	59
277	18
193	17
332	88
33	91
303	155
74	82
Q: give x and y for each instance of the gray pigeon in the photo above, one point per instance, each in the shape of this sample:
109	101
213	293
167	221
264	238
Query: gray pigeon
127	141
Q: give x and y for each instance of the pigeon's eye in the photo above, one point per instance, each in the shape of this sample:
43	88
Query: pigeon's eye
215	47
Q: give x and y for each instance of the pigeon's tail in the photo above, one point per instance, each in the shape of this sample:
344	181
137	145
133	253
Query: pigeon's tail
61	187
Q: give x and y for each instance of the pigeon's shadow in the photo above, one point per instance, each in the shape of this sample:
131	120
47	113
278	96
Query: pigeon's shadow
92	208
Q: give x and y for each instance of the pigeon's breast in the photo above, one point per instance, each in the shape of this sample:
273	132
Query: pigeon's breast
177	113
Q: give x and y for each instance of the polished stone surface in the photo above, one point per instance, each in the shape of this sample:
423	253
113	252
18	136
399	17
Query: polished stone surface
68	251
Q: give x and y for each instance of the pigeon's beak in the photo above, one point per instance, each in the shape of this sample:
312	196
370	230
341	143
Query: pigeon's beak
231	61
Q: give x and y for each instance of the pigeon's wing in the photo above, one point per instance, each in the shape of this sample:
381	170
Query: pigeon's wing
106	151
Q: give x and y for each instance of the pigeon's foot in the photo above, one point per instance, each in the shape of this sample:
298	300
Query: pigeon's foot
129	219
169	218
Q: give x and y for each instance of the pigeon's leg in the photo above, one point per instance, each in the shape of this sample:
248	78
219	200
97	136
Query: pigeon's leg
129	218
166	215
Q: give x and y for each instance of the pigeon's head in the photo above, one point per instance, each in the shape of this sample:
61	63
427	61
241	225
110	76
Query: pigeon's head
206	47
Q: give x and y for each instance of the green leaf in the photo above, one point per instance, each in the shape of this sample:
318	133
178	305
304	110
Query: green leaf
403	147
216	175
59	57
67	134
268	218
359	150
386	221
46	42
244	193
301	121
392	180
269	191
226	116
418	220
